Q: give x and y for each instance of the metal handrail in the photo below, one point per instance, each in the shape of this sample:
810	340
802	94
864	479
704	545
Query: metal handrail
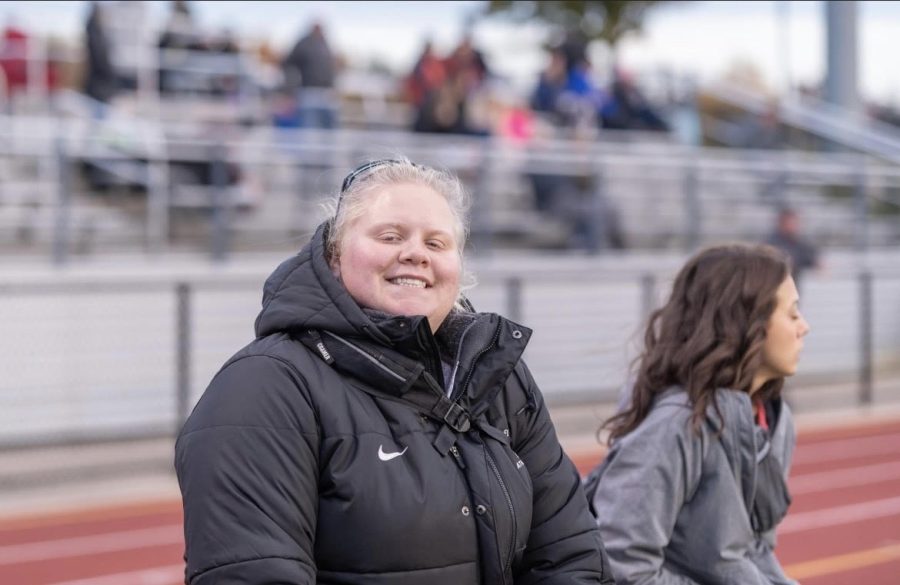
819	118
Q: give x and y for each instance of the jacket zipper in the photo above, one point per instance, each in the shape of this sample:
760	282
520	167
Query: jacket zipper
458	351
471	371
431	357
459	461
491	462
512	513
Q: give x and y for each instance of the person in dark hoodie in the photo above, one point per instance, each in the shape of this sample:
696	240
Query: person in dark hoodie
694	483
100	79
378	430
310	72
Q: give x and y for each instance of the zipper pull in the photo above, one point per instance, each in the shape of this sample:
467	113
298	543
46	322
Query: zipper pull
459	460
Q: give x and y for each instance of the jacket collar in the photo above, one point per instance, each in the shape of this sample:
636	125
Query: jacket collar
486	351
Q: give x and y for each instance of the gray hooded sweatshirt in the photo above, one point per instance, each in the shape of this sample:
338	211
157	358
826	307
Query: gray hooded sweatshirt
674	506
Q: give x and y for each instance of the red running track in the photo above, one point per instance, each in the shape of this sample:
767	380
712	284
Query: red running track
843	526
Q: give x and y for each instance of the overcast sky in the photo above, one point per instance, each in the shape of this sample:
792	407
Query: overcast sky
782	40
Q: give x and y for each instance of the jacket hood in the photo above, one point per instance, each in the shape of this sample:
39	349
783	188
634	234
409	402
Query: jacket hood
303	293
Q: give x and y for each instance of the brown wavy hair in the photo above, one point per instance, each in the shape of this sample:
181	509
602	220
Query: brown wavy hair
709	334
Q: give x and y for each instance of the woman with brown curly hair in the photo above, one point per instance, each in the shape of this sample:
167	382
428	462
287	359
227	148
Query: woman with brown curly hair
694	483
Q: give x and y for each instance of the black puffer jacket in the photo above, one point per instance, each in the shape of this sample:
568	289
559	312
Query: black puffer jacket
327	451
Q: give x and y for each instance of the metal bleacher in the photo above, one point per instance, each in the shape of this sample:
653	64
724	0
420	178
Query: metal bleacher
263	185
665	195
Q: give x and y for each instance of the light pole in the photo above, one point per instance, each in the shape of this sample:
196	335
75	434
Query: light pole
841	79
783	46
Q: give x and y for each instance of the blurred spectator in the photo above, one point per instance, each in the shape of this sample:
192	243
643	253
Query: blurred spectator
577	201
545	99
228	81
442	110
458	104
193	61
100	81
225	43
568	96
514	121
284	110
574	48
181	31
427	75
628	109
467	62
180	34
582	98
786	236
266	54
14	54
13	57
550	86
309	72
566	93
268	73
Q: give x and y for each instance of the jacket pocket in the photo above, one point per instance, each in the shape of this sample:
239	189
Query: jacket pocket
513	497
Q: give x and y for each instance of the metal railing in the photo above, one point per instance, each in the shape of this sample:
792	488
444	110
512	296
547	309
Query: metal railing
662	195
105	358
849	129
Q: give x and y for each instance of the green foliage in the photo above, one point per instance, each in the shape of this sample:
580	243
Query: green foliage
608	20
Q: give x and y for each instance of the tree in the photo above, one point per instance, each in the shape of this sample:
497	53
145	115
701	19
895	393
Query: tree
605	20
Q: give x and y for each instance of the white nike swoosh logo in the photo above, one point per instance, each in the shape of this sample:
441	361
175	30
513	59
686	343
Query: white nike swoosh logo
388	456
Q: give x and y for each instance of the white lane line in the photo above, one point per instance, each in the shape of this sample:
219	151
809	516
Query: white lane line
845	562
822	481
840	515
840	449
155	576
86	545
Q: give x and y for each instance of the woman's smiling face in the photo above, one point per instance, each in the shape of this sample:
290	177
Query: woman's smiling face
400	256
